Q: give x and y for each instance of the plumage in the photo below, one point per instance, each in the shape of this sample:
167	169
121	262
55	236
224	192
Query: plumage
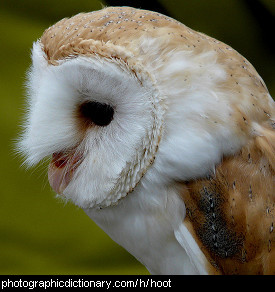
230	214
163	135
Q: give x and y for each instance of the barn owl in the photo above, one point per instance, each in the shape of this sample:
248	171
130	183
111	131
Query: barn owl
163	135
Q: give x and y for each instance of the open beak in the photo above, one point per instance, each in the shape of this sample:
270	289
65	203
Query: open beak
61	170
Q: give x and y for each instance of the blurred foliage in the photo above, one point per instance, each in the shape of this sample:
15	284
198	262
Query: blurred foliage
39	234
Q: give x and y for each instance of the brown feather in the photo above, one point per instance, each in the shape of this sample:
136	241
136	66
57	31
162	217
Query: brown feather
231	215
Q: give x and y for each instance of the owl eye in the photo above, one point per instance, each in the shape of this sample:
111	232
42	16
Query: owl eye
100	114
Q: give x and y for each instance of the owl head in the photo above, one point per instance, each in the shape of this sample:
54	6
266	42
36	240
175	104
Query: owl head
123	97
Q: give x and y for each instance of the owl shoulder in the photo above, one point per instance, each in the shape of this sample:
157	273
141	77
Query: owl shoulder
231	214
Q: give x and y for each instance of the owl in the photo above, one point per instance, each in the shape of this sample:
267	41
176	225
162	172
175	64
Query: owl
163	135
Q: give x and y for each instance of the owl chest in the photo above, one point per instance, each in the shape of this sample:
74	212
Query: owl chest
147	233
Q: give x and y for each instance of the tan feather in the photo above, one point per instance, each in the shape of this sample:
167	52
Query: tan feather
118	33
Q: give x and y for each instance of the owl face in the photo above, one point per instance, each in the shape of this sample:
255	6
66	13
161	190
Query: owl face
97	121
117	104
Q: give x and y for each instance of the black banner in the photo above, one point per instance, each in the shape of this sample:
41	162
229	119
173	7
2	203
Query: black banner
43	283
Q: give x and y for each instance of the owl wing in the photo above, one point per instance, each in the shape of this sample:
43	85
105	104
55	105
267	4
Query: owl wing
229	223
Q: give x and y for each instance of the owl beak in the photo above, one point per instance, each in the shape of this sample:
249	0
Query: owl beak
61	170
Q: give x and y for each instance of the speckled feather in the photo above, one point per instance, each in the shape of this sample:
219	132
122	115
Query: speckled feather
231	214
123	29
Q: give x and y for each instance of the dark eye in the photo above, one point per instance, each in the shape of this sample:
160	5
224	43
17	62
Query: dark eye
100	114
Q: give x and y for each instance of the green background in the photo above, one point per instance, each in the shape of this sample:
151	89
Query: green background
38	233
